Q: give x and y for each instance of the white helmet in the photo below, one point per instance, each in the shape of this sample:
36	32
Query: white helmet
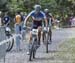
37	8
46	10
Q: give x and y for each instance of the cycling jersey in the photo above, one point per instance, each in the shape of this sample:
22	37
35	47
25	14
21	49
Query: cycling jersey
6	19
18	19
37	18
49	19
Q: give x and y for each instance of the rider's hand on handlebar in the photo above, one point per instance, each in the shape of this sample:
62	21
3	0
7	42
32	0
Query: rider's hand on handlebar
24	27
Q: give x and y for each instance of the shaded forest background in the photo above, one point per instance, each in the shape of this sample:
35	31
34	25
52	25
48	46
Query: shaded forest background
61	9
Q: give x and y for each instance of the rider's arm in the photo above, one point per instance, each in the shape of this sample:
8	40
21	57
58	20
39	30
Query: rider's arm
46	22
26	19
53	20
45	18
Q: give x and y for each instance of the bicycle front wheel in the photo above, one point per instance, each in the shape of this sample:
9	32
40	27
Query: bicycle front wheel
46	43
10	45
31	53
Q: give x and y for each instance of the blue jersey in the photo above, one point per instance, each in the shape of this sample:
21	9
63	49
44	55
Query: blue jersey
6	19
37	17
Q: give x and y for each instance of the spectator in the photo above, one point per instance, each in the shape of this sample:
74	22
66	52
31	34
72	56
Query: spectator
18	21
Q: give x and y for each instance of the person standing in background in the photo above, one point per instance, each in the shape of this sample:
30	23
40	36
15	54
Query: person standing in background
18	21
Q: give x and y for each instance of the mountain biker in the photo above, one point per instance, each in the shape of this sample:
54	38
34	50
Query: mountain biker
49	20
37	16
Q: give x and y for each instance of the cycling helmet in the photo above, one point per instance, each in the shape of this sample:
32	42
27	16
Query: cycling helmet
46	10
37	8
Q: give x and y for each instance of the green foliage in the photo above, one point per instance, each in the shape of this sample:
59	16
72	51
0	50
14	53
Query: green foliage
59	8
55	6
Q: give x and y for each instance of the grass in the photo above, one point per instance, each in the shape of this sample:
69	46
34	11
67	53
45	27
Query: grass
67	51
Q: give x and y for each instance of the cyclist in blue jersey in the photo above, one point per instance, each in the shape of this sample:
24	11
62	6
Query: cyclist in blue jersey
37	17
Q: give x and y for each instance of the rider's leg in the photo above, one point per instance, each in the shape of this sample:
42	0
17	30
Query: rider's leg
30	39
39	34
50	33
43	33
30	43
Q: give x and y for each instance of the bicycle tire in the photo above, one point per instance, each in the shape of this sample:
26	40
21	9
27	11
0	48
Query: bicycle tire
32	50
31	53
47	48
50	36
44	37
46	43
10	46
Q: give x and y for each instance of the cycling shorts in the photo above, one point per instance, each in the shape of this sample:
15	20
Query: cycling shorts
36	24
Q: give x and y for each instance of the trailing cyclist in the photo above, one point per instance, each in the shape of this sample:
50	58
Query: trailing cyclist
49	20
37	16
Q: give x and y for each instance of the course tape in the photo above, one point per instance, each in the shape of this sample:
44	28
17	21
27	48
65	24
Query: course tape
8	40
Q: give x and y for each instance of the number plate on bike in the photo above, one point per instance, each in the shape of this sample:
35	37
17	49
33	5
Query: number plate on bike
34	31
